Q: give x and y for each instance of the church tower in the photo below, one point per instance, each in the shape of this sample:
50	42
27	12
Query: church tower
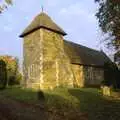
45	63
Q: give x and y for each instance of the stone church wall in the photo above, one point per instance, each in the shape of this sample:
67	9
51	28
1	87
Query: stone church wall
56	65
78	75
47	66
87	75
31	61
45	63
93	75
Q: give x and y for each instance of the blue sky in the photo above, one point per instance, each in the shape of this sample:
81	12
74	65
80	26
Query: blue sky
76	17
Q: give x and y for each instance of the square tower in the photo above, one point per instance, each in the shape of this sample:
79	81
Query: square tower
45	63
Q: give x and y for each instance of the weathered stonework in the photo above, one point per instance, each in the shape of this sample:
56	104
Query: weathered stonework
93	75
50	61
56	65
78	75
87	75
45	63
32	43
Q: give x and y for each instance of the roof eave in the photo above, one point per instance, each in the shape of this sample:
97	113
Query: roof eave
59	32
91	65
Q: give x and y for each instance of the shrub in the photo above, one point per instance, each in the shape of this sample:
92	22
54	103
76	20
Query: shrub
15	80
111	75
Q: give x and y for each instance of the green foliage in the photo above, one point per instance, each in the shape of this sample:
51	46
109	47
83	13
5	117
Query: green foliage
3	74
5	5
108	16
8	1
16	76
19	77
112	75
13	75
15	80
117	57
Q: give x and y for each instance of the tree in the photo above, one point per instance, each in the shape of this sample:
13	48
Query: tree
16	75
12	68
108	15
5	4
111	75
3	75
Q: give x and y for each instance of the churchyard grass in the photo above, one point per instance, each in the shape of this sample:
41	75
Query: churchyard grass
85	100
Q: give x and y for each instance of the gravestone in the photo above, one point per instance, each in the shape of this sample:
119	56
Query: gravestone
106	91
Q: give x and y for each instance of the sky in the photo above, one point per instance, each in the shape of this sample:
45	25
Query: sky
76	17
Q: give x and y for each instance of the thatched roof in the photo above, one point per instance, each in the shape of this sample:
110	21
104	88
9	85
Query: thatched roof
79	54
42	21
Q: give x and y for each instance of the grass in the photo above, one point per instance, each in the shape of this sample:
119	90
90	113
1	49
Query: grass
86	100
26	95
61	99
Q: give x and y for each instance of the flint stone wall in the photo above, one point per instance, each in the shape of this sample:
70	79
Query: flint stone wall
57	70
78	75
31	63
45	63
93	75
47	66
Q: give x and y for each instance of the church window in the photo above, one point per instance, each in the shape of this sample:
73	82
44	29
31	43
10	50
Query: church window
31	71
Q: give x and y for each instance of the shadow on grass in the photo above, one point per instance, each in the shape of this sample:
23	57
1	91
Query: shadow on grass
70	102
53	103
17	104
63	108
97	107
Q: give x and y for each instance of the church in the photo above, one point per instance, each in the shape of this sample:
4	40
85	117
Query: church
50	61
